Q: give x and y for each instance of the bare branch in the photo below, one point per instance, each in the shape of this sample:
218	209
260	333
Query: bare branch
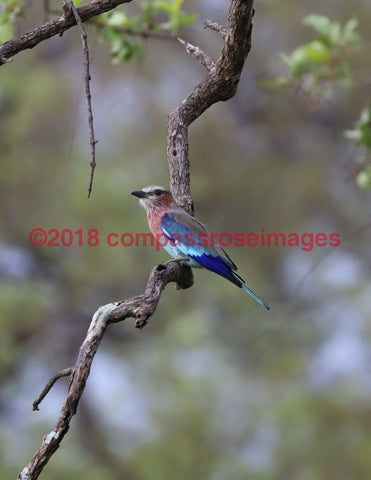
199	54
141	308
84	39
63	373
158	35
216	27
220	84
54	27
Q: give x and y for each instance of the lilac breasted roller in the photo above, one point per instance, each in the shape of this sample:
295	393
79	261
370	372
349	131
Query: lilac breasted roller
187	240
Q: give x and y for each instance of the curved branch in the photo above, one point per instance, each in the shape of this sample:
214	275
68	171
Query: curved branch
66	372
220	84
54	27
141	308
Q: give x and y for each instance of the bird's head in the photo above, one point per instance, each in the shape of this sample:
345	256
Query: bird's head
154	197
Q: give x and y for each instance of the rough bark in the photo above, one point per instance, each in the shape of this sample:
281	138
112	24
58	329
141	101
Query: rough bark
219	84
54	27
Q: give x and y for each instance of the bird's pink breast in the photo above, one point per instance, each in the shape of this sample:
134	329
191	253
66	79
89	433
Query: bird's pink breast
154	217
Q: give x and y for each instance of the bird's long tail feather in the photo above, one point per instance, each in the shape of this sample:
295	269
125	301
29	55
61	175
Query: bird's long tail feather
258	299
241	283
218	265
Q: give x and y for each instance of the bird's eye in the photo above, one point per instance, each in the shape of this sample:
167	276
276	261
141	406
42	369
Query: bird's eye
158	192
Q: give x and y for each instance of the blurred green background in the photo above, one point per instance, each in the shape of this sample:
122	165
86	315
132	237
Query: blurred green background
214	387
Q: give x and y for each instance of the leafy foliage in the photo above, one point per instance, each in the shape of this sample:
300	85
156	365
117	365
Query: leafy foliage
324	60
364	178
324	63
9	11
123	31
362	129
176	17
361	133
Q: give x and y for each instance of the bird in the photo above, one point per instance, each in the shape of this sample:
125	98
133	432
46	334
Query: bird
186	239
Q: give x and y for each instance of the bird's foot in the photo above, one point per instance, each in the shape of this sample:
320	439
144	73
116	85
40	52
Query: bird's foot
178	260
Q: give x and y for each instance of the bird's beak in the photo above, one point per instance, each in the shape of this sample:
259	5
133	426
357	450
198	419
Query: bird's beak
139	193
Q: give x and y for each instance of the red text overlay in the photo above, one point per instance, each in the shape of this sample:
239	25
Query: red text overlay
92	238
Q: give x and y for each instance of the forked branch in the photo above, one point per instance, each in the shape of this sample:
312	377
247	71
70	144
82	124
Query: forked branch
219	84
141	308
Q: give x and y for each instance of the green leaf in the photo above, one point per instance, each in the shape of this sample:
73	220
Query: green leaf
350	35
364	178
177	18
362	129
6	32
317	52
9	11
320	23
148	12
119	26
333	33
323	63
123	50
117	19
305	57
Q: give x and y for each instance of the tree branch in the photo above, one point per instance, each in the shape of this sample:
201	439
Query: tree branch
63	373
220	84
198	54
54	27
84	39
216	27
141	308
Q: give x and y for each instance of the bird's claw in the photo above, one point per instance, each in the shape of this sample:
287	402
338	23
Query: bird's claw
178	260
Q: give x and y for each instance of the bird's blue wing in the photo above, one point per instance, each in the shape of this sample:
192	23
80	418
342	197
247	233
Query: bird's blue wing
177	225
192	240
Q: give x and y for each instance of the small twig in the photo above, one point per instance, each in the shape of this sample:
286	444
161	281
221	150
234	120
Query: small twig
63	373
199	54
216	27
87	79
128	31
158	35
